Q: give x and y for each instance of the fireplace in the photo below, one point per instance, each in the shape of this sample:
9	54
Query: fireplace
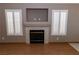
36	36
40	32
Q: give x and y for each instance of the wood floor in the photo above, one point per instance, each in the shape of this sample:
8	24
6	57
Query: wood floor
37	49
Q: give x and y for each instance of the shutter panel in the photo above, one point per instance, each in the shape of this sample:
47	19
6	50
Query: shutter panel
55	23
63	23
18	23
9	22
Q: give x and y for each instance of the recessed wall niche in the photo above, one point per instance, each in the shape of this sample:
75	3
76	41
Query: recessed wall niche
37	14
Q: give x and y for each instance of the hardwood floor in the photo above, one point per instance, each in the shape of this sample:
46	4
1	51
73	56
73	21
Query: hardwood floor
37	49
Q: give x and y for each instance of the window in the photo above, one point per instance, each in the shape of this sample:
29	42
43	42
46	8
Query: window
14	21
59	22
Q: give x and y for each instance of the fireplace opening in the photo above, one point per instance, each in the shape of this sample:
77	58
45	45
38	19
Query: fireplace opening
36	36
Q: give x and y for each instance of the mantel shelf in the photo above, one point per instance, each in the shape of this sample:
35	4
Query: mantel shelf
37	24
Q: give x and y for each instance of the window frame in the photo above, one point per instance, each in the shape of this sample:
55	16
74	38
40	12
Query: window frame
60	11
14	10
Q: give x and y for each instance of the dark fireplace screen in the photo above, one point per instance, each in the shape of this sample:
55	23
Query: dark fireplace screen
36	36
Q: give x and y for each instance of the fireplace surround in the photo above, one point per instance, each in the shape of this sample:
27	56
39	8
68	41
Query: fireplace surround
44	31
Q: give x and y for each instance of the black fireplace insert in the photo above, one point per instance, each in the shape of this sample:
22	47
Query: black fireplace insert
36	36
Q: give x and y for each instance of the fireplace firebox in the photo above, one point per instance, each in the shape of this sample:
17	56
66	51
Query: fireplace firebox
36	36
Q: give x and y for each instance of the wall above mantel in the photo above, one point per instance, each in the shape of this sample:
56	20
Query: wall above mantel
37	14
